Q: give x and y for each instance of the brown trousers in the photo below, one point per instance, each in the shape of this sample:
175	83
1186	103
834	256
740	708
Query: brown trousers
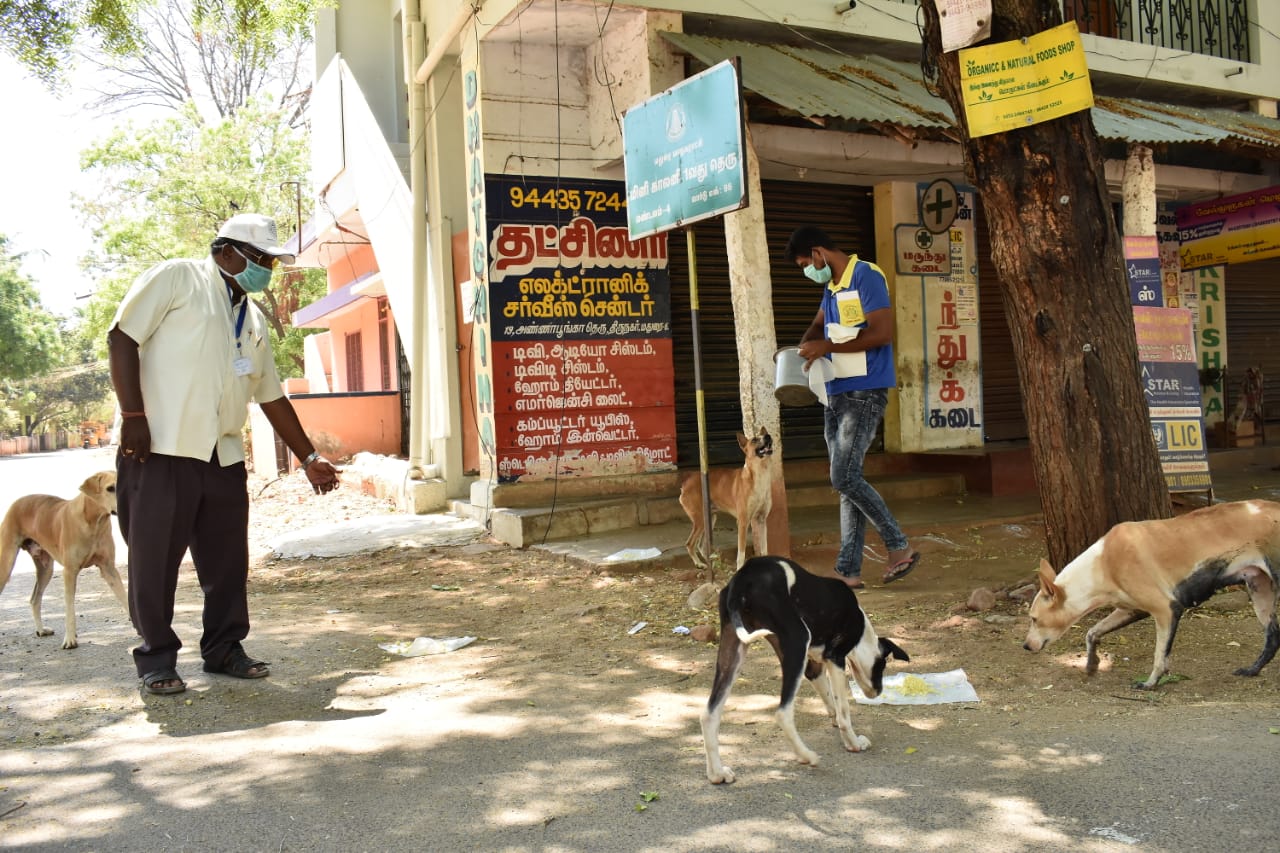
170	504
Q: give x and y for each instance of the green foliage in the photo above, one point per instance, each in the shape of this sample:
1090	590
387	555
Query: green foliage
169	185
45	394
29	333
62	399
40	34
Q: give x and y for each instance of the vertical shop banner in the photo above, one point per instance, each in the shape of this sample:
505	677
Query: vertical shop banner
581	326
953	376
1142	268
1171	385
1211	338
477	263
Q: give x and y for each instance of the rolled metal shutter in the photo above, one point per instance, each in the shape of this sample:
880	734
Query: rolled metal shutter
1253	318
1003	417
847	214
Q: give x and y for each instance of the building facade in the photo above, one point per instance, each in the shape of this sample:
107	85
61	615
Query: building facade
470	156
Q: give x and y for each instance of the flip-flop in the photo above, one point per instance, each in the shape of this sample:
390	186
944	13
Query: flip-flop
902	568
852	582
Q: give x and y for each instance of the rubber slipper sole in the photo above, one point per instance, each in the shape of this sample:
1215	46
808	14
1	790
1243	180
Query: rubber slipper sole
902	568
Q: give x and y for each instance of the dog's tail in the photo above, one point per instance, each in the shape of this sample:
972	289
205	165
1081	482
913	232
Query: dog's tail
741	630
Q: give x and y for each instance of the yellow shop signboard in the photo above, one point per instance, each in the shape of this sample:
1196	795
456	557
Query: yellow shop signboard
1019	83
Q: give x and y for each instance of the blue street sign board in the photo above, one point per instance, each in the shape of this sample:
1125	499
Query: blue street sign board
683	153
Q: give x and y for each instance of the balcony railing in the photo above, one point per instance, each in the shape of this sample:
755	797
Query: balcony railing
1210	27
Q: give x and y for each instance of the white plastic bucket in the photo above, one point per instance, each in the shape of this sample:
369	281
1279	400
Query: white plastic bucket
790	382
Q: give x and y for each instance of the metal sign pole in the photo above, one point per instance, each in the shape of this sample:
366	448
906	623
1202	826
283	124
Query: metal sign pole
690	244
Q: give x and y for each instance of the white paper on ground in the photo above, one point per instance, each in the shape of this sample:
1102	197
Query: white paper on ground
925	688
631	555
426	646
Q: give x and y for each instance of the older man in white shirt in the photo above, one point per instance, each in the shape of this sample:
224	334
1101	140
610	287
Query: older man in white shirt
189	349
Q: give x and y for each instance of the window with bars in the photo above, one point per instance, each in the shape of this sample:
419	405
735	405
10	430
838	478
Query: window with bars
355	362
1209	27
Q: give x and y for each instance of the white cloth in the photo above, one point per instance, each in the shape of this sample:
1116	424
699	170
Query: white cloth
845	364
183	321
840	365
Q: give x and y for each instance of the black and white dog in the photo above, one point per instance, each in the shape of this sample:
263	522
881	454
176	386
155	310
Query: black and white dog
817	627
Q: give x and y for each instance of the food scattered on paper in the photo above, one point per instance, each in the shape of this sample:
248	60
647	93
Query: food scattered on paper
926	688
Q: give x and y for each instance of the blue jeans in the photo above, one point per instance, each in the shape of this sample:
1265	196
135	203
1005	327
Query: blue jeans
851	422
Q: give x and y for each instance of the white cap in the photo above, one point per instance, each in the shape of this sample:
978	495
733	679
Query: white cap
257	231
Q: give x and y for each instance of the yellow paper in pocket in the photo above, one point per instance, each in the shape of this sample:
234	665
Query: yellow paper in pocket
850	306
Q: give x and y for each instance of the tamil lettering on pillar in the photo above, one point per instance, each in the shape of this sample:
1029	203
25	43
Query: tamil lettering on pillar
953	397
477	251
581	329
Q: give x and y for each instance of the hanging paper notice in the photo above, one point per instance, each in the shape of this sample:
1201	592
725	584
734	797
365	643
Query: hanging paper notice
1019	83
963	22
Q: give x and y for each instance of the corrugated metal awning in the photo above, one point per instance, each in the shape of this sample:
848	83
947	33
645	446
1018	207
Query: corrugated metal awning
877	91
818	83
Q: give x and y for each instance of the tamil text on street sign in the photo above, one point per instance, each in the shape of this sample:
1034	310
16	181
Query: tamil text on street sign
1019	83
683	153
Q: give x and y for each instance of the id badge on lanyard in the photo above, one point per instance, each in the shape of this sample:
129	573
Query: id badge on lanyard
242	365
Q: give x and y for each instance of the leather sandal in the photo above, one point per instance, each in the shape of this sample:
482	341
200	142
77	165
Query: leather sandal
152	681
237	664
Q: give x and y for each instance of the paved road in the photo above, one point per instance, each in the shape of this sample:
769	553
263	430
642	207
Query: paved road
484	750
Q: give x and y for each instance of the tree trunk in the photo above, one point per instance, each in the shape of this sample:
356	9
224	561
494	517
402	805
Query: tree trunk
1061	261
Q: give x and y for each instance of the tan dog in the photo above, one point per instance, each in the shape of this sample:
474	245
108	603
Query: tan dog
75	533
745	493
1160	569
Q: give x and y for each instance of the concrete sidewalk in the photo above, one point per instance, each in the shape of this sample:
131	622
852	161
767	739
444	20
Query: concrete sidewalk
1238	474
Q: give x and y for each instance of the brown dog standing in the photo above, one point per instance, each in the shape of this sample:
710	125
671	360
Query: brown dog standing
745	493
75	533
1161	569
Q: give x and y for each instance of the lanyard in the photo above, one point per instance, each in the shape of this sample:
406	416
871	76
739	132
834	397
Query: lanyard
244	307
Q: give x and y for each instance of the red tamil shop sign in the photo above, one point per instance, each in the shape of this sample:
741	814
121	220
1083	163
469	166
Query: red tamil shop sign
581	323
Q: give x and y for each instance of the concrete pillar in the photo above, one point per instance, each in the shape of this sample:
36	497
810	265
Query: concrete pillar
751	290
1139	192
937	342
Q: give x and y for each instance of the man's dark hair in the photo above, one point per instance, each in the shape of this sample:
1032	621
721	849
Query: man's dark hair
805	240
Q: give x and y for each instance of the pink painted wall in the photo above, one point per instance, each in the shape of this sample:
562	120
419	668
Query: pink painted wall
340	426
346	263
362	317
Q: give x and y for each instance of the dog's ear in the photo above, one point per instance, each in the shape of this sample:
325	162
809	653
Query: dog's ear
764	432
743	441
1047	577
890	649
92	484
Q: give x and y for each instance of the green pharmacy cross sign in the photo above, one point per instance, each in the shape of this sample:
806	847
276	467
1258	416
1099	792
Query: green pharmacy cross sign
683	153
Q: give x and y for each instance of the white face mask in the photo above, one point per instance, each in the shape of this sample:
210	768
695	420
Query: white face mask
821	275
254	278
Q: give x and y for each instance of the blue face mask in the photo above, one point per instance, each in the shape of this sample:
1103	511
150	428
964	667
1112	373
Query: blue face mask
821	276
254	278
